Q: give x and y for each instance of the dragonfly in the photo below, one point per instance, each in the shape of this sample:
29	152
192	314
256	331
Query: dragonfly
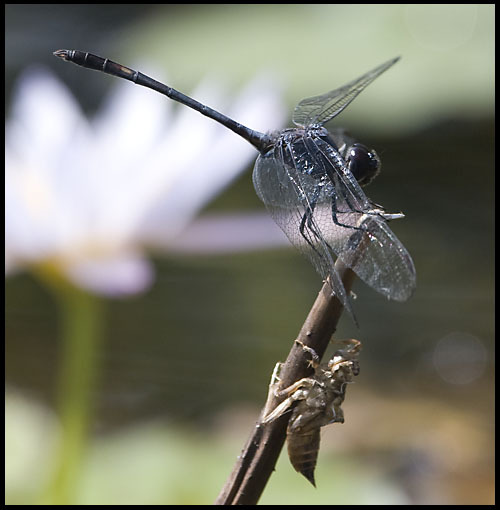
310	180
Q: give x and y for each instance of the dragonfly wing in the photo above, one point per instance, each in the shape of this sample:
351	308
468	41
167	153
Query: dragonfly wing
384	263
321	109
289	196
381	261
317	202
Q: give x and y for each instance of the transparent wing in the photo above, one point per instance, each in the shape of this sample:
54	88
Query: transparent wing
287	195
385	264
382	262
321	109
327	215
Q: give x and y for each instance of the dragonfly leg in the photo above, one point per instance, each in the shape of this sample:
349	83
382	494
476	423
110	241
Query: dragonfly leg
314	361
299	390
308	219
352	209
273	390
376	211
327	268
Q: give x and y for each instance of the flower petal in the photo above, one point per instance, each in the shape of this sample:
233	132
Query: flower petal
119	275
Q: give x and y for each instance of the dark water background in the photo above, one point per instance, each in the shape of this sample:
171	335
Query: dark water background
207	335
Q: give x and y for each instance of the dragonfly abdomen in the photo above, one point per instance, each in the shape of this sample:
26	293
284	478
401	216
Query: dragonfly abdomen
303	448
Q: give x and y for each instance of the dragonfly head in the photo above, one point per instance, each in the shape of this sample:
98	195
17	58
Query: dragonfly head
363	163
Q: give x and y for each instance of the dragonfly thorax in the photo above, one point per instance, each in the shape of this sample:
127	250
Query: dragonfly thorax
307	150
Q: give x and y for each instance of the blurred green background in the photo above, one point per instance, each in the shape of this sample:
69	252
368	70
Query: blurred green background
185	367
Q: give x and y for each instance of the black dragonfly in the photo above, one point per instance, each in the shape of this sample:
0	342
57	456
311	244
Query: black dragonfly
310	180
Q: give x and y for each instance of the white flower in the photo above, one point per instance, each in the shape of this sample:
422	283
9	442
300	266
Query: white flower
89	198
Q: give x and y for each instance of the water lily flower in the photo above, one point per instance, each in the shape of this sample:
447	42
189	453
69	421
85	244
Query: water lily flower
86	200
89	198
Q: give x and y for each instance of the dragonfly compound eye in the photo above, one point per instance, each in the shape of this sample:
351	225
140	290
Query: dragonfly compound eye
364	163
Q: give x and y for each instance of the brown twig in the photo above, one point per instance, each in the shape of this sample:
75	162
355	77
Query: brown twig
259	456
